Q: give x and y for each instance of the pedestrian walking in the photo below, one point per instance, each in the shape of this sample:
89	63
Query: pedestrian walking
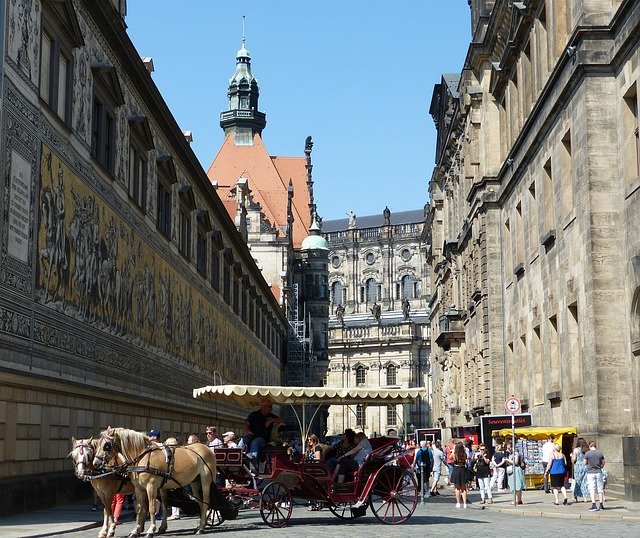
450	457
423	464
594	463
557	470
580	487
516	478
483	474
498	465
547	451
438	461
460	474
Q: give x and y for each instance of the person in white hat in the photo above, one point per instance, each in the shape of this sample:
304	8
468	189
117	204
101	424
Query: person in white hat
229	440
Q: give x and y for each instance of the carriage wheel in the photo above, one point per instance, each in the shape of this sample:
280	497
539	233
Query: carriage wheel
394	495
215	517
343	510
276	505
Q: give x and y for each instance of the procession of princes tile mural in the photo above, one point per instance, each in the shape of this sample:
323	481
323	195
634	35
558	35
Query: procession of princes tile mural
92	266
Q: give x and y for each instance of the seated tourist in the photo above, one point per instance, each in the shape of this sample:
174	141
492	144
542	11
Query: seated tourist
352	460
338	450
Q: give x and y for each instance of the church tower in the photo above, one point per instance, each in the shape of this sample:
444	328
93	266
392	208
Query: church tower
243	119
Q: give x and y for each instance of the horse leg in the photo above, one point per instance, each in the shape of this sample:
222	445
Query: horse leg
152	493
141	513
106	512
165	511
197	487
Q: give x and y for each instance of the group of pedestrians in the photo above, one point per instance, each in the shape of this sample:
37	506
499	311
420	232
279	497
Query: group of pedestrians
469	467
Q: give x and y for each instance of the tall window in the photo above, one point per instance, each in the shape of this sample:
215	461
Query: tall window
56	74
138	176
215	267
103	133
360	375
372	290
337	293
201	251
359	415
164	202
60	34
392	415
226	282
391	375
140	143
184	235
107	96
408	287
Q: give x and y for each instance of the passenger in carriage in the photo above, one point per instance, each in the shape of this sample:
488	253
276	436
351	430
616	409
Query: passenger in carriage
355	457
315	449
229	440
193	438
257	429
213	441
338	450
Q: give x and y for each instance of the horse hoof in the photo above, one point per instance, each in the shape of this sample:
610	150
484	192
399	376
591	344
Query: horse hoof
199	531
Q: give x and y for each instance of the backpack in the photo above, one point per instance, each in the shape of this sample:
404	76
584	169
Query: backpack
423	457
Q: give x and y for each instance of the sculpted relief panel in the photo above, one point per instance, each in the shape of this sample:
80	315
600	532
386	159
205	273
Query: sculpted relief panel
92	266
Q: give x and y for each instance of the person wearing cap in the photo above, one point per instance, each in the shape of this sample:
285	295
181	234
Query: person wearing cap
257	428
228	439
213	441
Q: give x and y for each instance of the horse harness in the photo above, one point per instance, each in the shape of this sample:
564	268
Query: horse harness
169	455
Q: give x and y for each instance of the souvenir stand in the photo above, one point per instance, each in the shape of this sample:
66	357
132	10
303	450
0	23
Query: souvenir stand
529	441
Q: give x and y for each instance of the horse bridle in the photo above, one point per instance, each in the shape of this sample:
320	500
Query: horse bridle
81	445
107	443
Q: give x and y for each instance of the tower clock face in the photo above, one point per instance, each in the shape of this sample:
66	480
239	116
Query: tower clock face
335	262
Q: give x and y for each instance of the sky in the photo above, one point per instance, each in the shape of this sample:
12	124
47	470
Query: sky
356	75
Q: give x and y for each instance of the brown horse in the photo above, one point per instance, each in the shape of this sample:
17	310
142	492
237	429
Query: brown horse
152	469
106	484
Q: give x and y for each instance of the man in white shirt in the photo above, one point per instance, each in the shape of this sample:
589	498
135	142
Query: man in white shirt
547	451
213	441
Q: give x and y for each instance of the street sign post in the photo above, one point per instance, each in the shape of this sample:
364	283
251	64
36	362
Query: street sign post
513	405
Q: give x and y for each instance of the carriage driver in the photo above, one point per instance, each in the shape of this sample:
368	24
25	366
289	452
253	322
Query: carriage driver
257	428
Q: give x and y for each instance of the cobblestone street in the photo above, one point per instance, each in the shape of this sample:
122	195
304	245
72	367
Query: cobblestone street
435	517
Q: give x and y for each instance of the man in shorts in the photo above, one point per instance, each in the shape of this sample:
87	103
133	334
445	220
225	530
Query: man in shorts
594	462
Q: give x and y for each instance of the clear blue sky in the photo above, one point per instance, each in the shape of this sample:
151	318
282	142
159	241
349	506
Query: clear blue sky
356	75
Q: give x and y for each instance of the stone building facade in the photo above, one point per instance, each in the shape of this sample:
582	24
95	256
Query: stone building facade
379	327
533	226
124	284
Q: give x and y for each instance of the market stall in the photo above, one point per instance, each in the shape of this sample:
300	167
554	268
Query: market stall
529	441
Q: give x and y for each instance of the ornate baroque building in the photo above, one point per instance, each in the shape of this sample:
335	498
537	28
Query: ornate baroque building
271	201
377	263
124	284
534	243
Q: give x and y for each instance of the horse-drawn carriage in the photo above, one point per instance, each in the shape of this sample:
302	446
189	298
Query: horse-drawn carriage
388	489
380	484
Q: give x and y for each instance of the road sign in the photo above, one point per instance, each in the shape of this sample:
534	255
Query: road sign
512	405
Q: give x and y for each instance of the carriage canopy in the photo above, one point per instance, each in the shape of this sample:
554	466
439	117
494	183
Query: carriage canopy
252	395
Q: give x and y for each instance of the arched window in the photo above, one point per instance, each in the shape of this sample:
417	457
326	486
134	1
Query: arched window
338	293
408	287
372	290
360	375
391	375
